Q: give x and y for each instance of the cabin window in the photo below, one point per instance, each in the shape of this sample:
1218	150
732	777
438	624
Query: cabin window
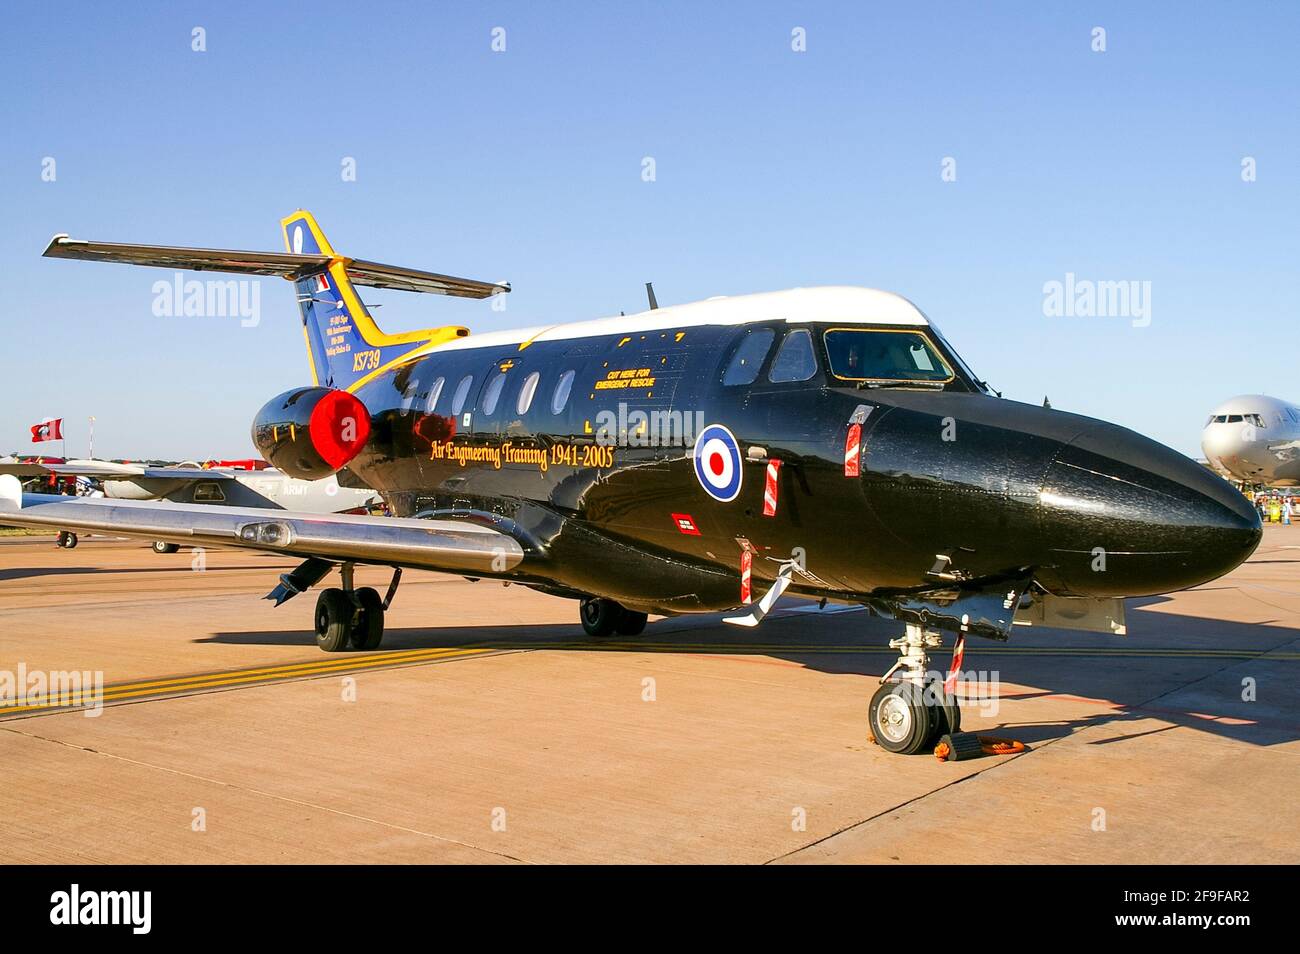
208	492
462	392
748	357
860	354
408	396
435	392
794	360
527	391
493	392
562	389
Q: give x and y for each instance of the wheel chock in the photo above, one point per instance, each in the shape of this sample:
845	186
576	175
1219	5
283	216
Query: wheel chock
959	746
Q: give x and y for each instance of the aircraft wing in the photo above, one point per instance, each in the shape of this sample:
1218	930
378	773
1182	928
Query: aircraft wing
108	470
72	468
449	545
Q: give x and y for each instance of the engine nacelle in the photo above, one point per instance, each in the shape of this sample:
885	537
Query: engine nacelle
311	432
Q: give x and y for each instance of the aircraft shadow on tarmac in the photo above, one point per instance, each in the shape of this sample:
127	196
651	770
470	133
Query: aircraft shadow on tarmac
1181	670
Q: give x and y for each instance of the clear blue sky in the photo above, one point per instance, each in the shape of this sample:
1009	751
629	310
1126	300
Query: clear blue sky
774	169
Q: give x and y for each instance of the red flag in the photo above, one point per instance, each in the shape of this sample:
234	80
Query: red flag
48	431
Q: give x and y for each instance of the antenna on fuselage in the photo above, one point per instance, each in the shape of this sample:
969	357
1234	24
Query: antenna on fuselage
650	293
1046	403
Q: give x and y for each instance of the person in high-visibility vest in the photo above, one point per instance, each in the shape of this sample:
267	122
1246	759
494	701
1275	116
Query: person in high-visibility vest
1274	510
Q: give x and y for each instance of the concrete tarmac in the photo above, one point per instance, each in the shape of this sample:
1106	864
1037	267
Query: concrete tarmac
490	729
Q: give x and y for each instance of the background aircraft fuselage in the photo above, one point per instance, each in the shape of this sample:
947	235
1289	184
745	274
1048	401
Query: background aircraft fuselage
1255	439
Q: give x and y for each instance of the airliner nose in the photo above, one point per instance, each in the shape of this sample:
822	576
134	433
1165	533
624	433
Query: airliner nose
1122	515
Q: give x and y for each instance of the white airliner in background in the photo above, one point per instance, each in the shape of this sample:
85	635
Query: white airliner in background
1256	439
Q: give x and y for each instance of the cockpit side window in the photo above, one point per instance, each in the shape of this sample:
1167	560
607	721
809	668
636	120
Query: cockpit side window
208	492
794	360
748	357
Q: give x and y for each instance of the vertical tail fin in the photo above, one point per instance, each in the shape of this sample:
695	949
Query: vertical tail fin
345	345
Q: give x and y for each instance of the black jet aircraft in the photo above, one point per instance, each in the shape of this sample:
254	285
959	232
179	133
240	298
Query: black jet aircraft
825	442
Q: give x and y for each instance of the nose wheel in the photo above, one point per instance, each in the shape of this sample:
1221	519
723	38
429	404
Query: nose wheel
900	720
908	713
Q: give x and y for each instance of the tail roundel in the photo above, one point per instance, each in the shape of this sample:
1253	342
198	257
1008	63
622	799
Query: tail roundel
345	345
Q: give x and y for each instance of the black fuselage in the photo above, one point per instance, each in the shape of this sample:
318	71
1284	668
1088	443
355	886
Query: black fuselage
947	473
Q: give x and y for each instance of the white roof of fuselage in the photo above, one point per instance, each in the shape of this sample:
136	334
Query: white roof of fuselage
837	303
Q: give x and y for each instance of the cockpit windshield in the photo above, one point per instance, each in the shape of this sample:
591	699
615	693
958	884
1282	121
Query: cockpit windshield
862	354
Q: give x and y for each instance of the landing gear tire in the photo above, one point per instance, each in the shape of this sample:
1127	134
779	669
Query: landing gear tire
333	620
631	624
160	547
368	628
600	617
66	540
900	720
945	713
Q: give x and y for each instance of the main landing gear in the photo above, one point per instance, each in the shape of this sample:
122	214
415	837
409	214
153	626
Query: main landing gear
601	618
352	618
908	714
66	540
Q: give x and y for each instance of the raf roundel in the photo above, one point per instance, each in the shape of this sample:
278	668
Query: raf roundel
717	463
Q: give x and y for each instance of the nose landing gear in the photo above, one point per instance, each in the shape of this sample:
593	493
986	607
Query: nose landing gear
907	714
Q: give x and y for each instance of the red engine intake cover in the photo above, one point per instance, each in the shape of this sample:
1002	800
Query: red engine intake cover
311	433
339	427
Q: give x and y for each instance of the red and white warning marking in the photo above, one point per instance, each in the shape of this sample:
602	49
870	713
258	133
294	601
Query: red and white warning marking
771	487
746	572
853	451
686	524
954	670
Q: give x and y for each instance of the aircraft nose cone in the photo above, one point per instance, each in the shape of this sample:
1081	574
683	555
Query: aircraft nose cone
1122	515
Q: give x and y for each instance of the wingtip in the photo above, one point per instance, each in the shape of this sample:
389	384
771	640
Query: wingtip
58	241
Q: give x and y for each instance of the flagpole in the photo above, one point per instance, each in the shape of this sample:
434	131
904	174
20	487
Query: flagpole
92	437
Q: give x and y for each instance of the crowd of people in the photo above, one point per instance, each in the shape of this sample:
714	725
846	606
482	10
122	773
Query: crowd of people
1274	507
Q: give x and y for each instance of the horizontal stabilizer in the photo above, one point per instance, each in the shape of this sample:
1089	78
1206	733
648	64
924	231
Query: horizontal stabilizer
289	265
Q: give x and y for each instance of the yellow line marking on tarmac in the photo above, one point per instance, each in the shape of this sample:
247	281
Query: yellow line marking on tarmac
251	677
328	662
